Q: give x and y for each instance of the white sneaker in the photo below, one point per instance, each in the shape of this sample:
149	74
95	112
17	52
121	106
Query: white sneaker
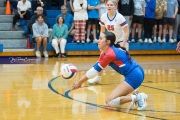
154	40
78	41
133	40
95	80
140	41
88	40
141	100
171	40
159	40
82	41
38	54
95	41
150	41
146	40
45	54
175	40
164	40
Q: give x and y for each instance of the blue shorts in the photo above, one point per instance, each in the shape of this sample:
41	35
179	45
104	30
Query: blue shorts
135	77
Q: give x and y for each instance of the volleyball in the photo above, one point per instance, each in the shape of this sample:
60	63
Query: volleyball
68	71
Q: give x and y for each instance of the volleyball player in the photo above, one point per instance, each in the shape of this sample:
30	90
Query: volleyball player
119	59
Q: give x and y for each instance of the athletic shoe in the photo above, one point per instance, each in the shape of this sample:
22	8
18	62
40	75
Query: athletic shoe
82	41
78	41
150	41
164	40
95	41
175	40
132	40
88	40
141	100
159	40
146	40
95	80
140	41
171	40
45	54
38	54
154	40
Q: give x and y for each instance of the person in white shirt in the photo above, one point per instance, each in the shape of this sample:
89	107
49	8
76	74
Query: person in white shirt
23	12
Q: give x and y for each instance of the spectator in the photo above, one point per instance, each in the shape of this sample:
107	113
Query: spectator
60	33
126	8
161	8
102	10
40	34
33	20
93	15
177	21
13	4
149	20
80	17
23	12
169	19
138	18
39	3
68	18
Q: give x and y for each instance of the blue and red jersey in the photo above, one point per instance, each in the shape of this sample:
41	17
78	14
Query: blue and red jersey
117	59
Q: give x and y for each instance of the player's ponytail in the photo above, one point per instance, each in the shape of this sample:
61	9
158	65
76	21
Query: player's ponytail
111	36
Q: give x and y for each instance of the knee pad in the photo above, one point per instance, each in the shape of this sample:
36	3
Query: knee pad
115	102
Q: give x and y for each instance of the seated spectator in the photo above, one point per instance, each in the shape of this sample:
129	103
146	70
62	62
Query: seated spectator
60	33
40	34
23	12
80	17
33	20
39	3
68	18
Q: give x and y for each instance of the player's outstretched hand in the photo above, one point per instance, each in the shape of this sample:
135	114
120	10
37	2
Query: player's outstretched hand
76	85
178	47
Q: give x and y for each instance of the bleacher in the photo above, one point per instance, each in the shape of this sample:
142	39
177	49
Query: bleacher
136	47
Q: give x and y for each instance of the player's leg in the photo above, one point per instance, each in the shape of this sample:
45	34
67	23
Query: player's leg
132	81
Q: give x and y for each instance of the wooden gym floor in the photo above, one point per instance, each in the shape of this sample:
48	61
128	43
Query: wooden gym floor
36	92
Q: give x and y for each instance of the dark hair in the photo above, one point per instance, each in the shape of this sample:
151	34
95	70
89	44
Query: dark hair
111	36
58	19
40	15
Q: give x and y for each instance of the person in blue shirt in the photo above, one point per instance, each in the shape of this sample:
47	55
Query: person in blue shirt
119	59
149	20
68	18
93	16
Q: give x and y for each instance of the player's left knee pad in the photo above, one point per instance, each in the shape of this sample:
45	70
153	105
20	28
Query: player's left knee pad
115	102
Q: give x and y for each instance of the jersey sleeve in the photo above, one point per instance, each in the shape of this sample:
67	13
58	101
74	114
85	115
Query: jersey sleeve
122	21
104	60
102	20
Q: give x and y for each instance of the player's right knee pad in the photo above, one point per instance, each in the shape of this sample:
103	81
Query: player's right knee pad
115	102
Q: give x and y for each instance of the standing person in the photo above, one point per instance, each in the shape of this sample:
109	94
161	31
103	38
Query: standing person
169	19
161	8
40	34
23	12
116	23
149	20
126	8
60	33
138	19
80	17
93	15
177	22
119	59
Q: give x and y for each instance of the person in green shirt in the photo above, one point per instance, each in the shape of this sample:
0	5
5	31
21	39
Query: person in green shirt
60	33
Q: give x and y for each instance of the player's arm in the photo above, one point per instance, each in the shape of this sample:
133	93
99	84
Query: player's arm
126	35
104	61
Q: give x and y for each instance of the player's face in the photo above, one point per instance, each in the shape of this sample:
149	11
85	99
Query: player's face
110	6
102	42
